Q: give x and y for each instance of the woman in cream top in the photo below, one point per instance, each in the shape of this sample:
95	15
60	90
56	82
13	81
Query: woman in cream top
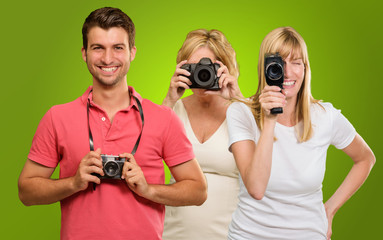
204	116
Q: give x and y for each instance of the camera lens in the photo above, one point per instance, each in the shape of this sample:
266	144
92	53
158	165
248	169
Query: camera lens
204	75
274	71
111	168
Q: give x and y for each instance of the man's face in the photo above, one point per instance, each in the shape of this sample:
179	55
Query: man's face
108	56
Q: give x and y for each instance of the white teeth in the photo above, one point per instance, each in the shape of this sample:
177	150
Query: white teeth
289	83
109	69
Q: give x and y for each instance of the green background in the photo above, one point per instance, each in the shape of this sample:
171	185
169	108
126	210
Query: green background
42	66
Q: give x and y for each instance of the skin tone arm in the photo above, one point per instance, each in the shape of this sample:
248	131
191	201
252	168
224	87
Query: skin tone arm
254	161
364	160
36	187
190	187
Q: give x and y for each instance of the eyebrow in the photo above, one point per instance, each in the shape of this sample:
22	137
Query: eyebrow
100	45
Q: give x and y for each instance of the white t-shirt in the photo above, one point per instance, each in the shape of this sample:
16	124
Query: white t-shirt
292	206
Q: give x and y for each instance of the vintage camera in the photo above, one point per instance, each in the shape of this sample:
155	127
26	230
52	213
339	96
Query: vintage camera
274	74
203	74
112	166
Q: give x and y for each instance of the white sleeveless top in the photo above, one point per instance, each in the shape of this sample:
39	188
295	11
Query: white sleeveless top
210	220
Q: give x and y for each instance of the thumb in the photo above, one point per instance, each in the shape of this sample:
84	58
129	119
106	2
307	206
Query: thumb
98	151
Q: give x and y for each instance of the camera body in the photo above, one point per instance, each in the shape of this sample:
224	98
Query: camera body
274	74
112	166
203	74
274	71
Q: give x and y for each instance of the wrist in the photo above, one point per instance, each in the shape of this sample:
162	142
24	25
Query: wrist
269	122
169	102
150	193
330	210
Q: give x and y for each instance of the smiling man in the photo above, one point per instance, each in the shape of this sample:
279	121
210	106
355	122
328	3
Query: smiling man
113	138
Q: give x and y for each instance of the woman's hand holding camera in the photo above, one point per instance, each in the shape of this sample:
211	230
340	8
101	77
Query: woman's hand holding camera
91	163
227	83
271	97
178	84
134	176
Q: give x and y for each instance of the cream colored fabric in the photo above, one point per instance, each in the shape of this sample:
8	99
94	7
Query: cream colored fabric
211	220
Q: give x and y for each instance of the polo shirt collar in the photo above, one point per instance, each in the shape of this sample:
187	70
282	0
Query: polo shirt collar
88	95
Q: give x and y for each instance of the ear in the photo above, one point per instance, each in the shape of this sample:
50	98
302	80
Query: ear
83	51
133	53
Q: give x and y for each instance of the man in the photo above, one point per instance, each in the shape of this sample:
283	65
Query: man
107	118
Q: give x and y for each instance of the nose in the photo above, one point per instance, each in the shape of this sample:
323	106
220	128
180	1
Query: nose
287	69
107	57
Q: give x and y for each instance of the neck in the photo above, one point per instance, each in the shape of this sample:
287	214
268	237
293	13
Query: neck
111	98
287	118
208	101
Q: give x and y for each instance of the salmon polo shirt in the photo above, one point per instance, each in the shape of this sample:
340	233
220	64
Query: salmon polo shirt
112	211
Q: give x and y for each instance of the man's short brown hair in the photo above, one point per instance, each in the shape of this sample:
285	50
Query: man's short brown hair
106	18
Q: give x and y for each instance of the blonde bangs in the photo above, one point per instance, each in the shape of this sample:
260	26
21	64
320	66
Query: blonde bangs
216	42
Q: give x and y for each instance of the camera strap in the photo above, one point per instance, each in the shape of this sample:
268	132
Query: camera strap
91	144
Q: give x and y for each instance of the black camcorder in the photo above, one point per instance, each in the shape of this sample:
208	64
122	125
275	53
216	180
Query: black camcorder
203	74
274	74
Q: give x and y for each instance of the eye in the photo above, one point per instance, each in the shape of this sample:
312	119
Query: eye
298	62
119	48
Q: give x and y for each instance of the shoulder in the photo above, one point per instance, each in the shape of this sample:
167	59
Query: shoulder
323	109
68	109
239	108
157	111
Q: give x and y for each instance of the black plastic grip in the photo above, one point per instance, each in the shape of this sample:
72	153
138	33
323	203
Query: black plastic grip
277	110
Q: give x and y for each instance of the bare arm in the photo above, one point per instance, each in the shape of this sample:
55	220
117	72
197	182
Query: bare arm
190	187
254	162
36	186
364	160
178	84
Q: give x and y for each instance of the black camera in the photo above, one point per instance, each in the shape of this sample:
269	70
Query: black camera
112	166
203	74
274	74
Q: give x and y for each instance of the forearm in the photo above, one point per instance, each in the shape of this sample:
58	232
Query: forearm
182	193
353	181
258	173
168	101
38	190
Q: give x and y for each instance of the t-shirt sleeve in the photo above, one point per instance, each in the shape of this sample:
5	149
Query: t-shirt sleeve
240	123
44	144
343	132
177	148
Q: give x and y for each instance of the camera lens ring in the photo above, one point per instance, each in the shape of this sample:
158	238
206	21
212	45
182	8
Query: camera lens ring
274	71
204	76
111	168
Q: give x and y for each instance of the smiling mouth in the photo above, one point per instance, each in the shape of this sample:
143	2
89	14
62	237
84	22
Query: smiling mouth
288	83
108	69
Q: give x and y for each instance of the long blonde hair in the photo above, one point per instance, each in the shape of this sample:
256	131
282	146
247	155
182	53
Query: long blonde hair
286	40
216	41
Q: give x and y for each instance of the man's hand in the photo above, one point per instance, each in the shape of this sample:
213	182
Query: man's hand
134	176
91	163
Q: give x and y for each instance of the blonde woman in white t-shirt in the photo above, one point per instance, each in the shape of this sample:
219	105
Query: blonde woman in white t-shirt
281	157
204	116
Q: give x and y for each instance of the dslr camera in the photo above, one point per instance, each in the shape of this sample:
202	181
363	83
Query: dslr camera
203	74
274	74
112	166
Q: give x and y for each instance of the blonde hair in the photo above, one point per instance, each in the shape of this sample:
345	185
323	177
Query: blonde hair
286	40
216	41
